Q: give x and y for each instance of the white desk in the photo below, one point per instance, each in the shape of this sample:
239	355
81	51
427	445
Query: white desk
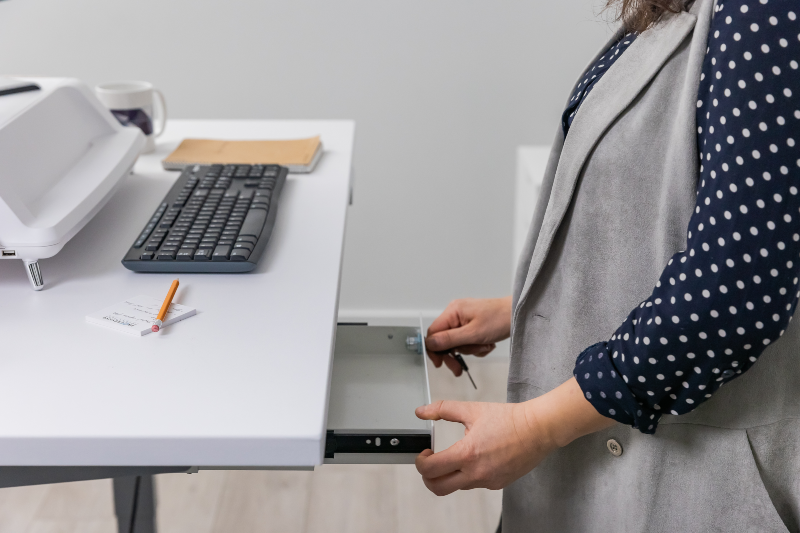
243	383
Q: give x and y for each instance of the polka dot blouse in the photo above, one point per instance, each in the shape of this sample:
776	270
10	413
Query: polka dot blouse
732	292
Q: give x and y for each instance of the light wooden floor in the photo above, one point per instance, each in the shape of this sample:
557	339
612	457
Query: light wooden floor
334	498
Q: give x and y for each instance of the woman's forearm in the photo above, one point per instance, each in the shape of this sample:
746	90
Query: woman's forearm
563	415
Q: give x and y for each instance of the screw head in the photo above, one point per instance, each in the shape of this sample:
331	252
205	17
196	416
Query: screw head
414	343
394	442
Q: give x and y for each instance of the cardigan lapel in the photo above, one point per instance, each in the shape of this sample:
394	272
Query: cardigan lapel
612	94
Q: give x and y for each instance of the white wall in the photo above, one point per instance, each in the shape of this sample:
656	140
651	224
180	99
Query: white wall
531	165
442	91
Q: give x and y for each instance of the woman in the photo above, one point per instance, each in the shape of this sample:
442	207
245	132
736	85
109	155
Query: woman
662	263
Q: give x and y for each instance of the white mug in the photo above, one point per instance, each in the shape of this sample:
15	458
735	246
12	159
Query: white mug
131	102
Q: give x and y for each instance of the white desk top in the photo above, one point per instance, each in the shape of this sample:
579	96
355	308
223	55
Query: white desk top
243	383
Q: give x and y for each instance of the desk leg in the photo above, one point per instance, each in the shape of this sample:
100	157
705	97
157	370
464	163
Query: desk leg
135	504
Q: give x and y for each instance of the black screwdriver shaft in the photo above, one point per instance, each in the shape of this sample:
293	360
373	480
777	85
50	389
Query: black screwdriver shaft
463	364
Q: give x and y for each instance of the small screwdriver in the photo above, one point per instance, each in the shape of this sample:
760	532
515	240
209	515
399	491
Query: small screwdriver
464	367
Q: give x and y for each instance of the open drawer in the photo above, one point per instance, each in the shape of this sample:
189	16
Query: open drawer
379	378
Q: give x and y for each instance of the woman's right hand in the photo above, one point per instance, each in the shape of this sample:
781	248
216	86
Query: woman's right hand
469	326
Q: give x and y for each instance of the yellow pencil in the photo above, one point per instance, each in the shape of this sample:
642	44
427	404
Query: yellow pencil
165	306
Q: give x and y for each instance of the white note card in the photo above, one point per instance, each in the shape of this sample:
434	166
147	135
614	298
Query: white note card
135	316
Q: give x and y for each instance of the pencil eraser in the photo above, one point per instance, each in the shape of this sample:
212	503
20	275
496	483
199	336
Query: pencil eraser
154	329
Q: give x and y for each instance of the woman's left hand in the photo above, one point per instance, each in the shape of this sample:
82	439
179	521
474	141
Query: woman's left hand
503	442
499	446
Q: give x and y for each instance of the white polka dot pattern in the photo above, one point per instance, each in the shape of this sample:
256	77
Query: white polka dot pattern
733	291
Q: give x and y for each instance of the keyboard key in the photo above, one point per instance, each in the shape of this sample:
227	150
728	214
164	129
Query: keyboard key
166	255
221	253
185	254
208	246
240	255
243	246
246	194
203	254
251	240
147	256
152	246
254	223
231	193
139	243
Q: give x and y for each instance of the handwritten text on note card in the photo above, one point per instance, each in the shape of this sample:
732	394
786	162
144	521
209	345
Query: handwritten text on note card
135	316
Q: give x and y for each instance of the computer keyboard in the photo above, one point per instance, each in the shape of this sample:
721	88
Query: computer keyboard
214	219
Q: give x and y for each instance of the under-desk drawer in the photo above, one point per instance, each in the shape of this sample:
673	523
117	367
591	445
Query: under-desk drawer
379	377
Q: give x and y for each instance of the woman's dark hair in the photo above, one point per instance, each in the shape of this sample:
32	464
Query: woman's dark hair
639	15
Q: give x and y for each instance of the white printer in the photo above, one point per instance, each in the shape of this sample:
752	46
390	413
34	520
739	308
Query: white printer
62	156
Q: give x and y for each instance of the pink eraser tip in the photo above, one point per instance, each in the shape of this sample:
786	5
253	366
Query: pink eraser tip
154	329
